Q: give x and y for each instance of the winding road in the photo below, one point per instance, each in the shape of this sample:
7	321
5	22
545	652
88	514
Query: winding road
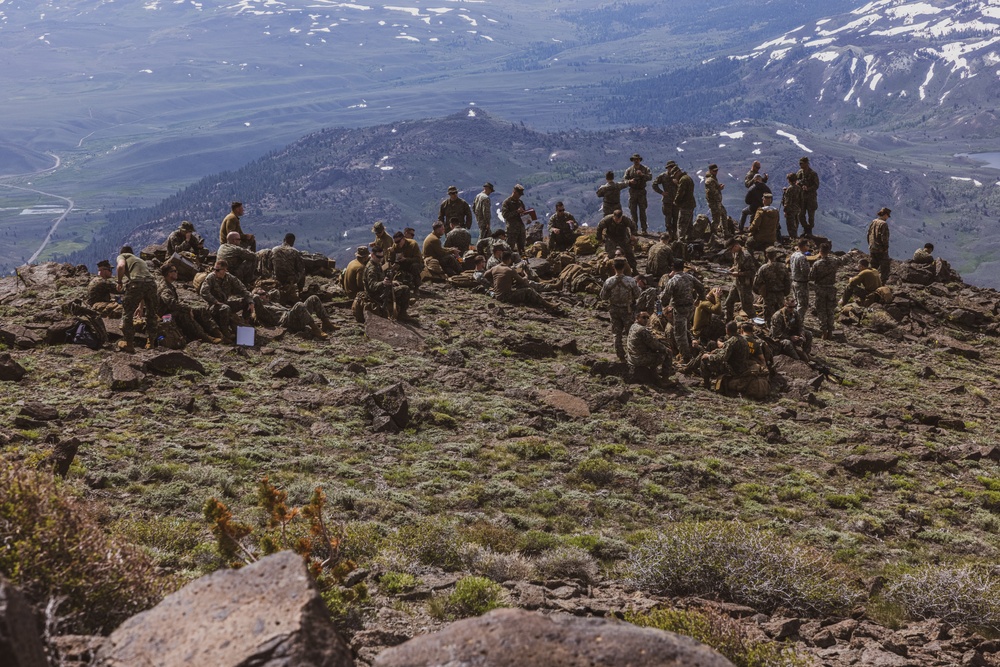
69	202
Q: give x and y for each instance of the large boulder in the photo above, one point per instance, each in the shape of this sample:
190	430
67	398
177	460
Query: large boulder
20	642
268	614
389	409
514	637
121	373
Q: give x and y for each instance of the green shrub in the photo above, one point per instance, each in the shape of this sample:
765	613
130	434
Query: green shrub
743	564
722	633
597	471
959	595
394	583
534	542
567	563
473	596
431	541
53	547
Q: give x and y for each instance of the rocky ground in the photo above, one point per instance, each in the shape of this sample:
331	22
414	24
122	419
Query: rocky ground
511	443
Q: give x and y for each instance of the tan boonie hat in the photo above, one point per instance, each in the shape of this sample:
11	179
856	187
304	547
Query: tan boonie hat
362	251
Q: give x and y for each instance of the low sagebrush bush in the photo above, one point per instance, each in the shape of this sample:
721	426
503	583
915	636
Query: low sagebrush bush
499	567
472	596
744	564
722	633
51	546
959	595
567	563
431	541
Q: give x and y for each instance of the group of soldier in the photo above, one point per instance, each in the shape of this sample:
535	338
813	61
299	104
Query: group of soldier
657	319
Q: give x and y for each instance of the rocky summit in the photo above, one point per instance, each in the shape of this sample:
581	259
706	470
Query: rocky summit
482	455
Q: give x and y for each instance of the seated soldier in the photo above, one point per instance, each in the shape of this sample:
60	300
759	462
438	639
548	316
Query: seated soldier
789	332
382	237
445	258
708	323
295	319
511	287
242	263
352	279
231	223
228	298
458	237
169	303
387	297
645	353
924	256
562	229
862	285
760	351
406	254
186	240
731	358
102	293
289	270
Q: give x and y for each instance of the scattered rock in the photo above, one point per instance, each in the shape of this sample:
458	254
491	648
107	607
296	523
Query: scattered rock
120	373
38	411
388	409
514	638
530	346
20	642
268	614
859	464
232	374
396	334
10	370
610	368
62	456
356	577
173	361
280	368
612	397
356	368
782	628
567	403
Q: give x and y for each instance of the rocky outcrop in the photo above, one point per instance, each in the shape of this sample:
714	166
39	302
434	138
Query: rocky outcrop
20	643
268	614
514	638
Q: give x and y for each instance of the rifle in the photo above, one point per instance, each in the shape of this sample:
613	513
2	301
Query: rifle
827	372
393	309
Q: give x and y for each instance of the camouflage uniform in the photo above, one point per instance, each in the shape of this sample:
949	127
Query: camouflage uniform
385	295
823	276
459	238
748	179
508	286
455	208
732	359
242	263
764	228
713	194
637	192
289	270
809	183
774	283
659	259
665	186
300	316
922	257
681	293
617	234
515	227
644	351
170	304
567	234
647	301
224	296
746	268
799	265
785	325
410	260
179	242
791	203
878	247
611	194
141	288
685	203
101	294
482	207
621	293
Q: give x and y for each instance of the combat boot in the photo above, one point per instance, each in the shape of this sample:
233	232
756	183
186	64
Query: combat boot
317	332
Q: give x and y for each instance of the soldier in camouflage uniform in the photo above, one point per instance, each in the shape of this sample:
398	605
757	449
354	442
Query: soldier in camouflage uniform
231	223
799	266
381	290
169	303
289	270
482	208
562	229
666	187
878	243
644	352
743	271
732	357
754	170
637	176
382	238
611	193
681	293
621	292
773	282
660	257
924	256
241	262
685	204
808	181
511	210
615	232
185	239
406	253
141	288
789	332
227	297
764	229
454	206
649	296
713	194
509	286
823	276
791	203
101	292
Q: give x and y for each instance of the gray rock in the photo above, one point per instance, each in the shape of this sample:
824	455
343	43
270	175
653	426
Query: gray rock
10	370
120	373
388	409
38	411
514	638
170	363
280	368
20	642
268	614
859	464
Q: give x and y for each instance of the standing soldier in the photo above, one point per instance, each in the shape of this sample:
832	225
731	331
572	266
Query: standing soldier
611	193
823	276
685	204
665	185
808	180
754	170
637	176
681	292
615	231
482	207
231	223
713	194
511	210
773	282
878	243
141	288
743	271
791	202
799	265
764	228
621	292
455	207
